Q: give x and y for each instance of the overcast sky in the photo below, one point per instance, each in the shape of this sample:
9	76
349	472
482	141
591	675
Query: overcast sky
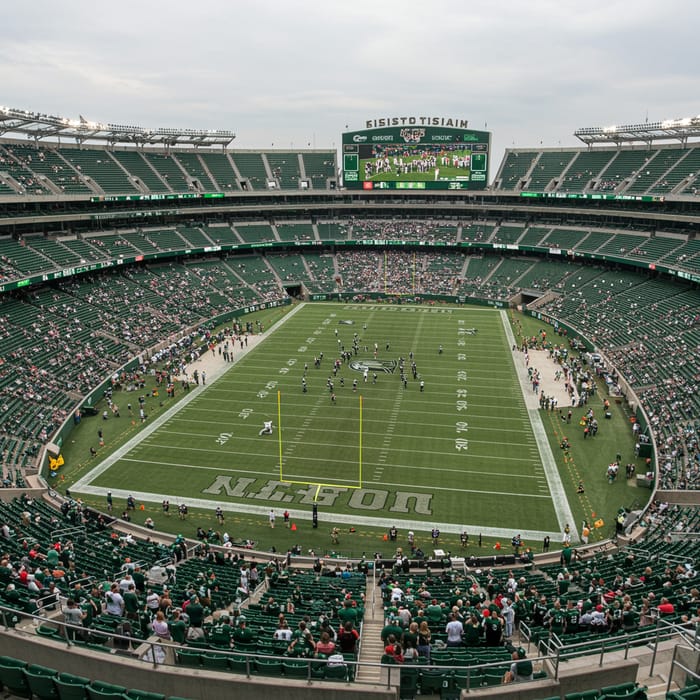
296	72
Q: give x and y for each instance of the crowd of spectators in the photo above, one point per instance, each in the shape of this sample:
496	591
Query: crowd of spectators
650	332
95	323
59	343
113	586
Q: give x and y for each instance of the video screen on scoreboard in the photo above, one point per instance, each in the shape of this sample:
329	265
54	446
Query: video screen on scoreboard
416	158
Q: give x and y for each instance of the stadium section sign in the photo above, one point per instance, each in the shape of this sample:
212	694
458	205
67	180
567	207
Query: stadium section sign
416	157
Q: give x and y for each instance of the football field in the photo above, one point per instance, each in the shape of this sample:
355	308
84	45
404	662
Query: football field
362	443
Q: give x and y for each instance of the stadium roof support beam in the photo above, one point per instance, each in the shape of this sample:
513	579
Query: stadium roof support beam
40	126
671	129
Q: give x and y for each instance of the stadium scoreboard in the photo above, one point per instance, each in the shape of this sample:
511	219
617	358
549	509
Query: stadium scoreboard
416	158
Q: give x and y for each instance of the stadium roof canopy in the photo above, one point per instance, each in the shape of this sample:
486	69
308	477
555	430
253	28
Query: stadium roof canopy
41	126
670	129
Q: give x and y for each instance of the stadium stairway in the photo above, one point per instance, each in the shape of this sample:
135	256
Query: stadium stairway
371	645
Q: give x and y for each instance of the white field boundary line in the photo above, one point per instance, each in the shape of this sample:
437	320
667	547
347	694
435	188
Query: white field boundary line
212	376
556	487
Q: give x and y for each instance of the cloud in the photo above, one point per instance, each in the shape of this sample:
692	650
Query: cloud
278	71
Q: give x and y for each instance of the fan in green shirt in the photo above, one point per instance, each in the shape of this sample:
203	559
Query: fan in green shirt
472	632
131	603
302	643
392	627
347	612
630	618
493	629
557	619
573	617
178	628
243	635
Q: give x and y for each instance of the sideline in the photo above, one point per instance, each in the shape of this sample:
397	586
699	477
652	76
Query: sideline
554	482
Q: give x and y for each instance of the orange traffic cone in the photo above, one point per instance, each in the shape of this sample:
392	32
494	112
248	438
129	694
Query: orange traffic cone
294	527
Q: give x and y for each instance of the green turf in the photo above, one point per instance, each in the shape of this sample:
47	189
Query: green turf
412	472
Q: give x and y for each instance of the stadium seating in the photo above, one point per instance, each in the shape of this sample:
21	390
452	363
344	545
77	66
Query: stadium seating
255	233
169	171
295	232
548	170
655	170
533	235
621	169
515	168
319	168
329	231
660	170
584	169
29	181
646	326
252	169
99	167
508	234
136	164
196	169
323	273
285	168
683	173
49	162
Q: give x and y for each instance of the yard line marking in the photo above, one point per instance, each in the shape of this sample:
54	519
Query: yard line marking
151	427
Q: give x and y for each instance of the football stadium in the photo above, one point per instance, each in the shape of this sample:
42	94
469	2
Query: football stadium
386	420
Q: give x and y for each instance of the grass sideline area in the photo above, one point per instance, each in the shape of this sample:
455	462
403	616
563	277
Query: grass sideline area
415	473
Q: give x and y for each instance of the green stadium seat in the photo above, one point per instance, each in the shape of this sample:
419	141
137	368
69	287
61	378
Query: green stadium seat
97	690
40	681
268	667
48	631
144	695
71	687
13	678
408	685
188	657
492	678
433	681
625	691
338	672
583	695
240	664
215	662
295	668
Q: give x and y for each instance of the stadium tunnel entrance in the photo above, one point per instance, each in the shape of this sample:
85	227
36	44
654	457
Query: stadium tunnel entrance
297	291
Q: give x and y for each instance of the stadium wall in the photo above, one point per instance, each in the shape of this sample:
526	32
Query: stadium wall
172	680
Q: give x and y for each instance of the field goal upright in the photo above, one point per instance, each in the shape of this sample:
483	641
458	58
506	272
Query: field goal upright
347	484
